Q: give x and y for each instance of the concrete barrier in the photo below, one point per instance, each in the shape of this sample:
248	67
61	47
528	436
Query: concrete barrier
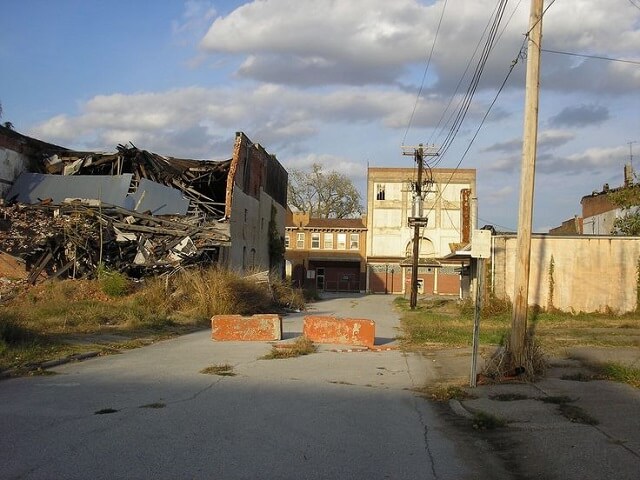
347	331
264	327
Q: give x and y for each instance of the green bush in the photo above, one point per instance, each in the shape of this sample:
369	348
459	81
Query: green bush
114	284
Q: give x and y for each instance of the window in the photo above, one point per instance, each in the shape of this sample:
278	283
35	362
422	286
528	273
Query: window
354	241
328	241
380	192
315	240
342	241
286	241
300	241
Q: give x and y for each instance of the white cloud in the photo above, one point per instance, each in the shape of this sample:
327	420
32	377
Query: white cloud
500	195
320	42
270	114
336	82
195	20
593	160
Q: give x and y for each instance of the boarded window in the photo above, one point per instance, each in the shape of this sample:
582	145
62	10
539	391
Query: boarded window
342	241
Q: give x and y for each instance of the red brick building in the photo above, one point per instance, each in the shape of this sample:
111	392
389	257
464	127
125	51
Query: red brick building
326	254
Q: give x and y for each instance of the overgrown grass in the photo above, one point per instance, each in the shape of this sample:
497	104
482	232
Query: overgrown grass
444	393
620	373
114	284
449	323
487	421
576	414
302	346
223	370
446	323
45	322
508	397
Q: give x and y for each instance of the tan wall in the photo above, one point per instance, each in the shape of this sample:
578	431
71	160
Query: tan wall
251	234
389	233
590	273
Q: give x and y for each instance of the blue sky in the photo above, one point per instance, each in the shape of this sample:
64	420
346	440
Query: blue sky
330	81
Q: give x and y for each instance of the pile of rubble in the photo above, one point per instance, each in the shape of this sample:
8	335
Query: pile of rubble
73	239
132	211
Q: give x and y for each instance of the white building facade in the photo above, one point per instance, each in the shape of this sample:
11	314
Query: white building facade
446	206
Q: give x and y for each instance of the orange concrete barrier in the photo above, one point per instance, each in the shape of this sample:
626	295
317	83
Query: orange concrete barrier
265	327
348	331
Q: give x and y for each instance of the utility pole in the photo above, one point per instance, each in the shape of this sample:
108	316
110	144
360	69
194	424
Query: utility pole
417	220
417	195
527	177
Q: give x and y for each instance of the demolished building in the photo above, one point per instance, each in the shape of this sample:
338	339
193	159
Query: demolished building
66	212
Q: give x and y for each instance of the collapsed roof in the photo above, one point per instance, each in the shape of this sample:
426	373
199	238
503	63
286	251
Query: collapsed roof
132	210
131	178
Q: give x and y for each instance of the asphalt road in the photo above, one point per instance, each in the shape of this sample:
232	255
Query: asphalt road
328	415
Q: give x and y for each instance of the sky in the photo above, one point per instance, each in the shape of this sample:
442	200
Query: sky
343	83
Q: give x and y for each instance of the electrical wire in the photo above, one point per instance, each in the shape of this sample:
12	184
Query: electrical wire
424	75
540	19
437	130
466	101
504	82
634	4
508	229
513	64
597	57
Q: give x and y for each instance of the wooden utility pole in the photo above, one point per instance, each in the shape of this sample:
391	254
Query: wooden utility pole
527	177
416	220
477	311
417	196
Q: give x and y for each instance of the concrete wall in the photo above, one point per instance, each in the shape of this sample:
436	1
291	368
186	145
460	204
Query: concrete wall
249	227
590	274
602	223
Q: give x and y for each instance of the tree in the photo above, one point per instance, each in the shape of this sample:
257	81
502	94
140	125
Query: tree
628	199
323	195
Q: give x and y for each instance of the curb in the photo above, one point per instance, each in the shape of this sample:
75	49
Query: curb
458	409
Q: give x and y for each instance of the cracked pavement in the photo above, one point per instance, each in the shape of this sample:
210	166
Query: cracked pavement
150	413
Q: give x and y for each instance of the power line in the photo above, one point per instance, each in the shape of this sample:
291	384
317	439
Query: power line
597	57
513	64
489	222
438	131
424	75
466	101
540	19
504	82
634	4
